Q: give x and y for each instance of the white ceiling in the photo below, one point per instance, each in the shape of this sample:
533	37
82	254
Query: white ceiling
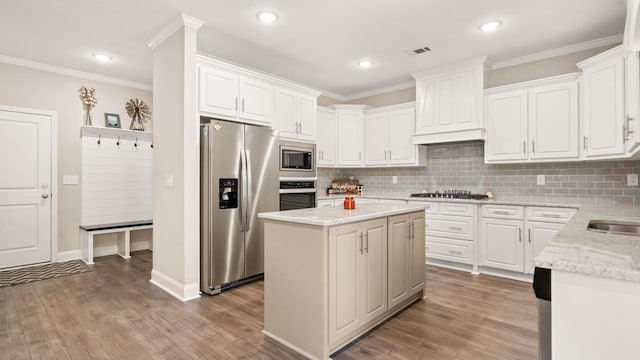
315	42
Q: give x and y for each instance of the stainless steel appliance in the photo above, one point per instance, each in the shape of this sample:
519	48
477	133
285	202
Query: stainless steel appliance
297	160
542	289
297	194
238	180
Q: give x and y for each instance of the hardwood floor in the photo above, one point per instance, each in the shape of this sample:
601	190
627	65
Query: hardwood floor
114	312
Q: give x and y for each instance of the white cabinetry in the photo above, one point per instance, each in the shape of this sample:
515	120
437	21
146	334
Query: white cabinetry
451	232
511	243
387	134
533	121
406	256
449	103
357	276
326	137
295	114
228	95
602	104
350	137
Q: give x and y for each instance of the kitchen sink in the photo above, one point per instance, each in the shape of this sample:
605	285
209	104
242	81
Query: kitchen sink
618	227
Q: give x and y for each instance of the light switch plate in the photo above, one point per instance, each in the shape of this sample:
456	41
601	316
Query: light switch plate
70	180
540	180
632	179
394	180
168	180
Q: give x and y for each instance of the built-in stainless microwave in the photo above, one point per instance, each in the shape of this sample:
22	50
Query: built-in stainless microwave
297	159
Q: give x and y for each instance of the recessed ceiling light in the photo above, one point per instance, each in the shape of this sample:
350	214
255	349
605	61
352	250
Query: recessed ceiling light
267	17
102	57
365	63
490	26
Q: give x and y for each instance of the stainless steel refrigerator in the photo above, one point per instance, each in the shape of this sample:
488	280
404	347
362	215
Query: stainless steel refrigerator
238	180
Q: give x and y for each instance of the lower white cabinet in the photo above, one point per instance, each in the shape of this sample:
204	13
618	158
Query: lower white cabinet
539	234
450	229
357	276
502	246
406	256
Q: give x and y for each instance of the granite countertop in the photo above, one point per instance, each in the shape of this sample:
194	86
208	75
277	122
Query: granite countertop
337	215
576	249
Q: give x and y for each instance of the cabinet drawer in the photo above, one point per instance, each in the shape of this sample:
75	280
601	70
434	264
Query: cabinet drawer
456	209
503	212
456	227
549	214
449	249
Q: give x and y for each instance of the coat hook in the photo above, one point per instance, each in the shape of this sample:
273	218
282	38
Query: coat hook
99	136
152	145
118	142
136	144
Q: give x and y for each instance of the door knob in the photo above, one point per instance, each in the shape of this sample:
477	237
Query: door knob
45	196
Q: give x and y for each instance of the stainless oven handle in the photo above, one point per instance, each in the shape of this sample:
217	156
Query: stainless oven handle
298	191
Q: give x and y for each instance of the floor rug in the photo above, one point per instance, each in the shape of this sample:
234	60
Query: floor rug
42	272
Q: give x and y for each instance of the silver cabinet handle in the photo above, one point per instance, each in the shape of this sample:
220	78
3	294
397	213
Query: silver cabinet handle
408	231
533	146
455	252
529	235
498	212
389	154
554	216
524	146
366	242
359	155
360	243
586	142
236	102
519	234
45	196
242	104
385	155
455	228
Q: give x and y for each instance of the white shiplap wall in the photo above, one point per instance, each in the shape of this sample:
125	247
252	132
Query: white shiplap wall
116	179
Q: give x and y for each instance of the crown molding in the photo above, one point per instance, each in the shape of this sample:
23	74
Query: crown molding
364	94
73	73
592	44
180	21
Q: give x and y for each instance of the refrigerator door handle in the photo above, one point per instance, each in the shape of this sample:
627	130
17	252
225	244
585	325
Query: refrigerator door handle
243	189
249	177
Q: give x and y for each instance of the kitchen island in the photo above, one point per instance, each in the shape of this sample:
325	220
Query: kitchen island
333	274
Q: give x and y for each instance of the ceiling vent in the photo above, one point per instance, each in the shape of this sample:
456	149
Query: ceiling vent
421	50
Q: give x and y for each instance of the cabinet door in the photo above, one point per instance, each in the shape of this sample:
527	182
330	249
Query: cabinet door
350	137
326	131
345	256
374	268
426	106
399	243
538	236
632	101
375	139
256	101
553	121
400	130
218	92
307	111
602	108
506	126
416	276
502	246
286	113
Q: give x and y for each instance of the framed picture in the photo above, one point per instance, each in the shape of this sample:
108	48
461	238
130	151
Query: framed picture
111	120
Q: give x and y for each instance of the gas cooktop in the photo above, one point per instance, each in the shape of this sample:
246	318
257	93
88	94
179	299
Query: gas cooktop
453	194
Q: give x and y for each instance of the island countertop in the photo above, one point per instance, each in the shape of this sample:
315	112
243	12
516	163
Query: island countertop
336	215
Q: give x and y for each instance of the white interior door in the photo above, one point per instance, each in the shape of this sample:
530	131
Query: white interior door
25	188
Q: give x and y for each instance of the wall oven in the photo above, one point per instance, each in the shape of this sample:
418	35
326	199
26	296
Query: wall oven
297	195
297	160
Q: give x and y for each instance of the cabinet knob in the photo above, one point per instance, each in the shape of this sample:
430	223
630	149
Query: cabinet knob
45	196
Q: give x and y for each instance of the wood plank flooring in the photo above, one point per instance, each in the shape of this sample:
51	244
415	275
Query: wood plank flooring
114	312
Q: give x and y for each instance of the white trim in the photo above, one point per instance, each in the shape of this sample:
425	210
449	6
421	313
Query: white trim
384	90
592	44
333	95
176	24
533	83
475	63
71	72
179	291
68	255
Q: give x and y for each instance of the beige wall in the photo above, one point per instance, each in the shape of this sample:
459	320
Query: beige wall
36	89
326	101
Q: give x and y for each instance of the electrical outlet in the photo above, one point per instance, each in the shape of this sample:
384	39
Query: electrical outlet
632	179
540	180
168	180
394	180
70	180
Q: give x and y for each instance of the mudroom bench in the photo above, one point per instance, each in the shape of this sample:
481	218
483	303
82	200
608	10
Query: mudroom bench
88	231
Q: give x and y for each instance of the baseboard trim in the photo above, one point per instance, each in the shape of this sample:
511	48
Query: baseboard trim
174	288
68	255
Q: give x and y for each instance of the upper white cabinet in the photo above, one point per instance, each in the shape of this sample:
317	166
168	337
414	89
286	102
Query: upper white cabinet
449	103
350	137
533	121
602	104
326	137
230	96
295	114
387	134
231	92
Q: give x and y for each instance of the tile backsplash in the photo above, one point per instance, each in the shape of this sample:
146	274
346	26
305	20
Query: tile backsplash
601	184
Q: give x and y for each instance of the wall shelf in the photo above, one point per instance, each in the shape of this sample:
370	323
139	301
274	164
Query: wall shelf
115	132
